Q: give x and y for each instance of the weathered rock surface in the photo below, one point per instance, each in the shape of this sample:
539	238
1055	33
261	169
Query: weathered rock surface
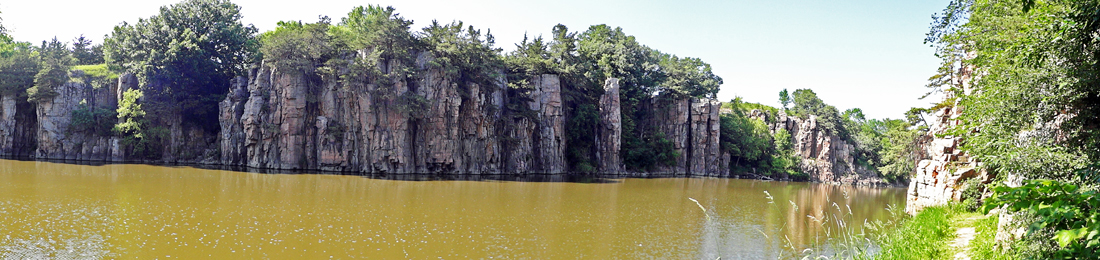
693	127
430	125
7	125
943	174
610	131
942	177
825	156
58	139
276	119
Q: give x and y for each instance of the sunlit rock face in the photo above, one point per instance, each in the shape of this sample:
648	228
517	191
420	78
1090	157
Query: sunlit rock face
432	124
426	123
429	124
824	156
58	139
944	173
56	135
942	177
692	125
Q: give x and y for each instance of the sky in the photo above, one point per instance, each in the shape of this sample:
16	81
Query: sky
866	54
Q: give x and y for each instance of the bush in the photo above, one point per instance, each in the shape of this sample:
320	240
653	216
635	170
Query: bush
1064	209
96	120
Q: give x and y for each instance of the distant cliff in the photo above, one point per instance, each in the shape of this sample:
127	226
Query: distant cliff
824	156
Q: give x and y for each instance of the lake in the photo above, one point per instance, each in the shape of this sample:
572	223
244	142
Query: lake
57	210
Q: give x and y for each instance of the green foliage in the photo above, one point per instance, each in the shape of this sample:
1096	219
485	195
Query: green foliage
463	55
752	147
807	103
185	56
298	48
96	120
85	53
583	126
56	59
384	37
138	136
784	99
687	77
98	75
96	70
737	105
1066	209
18	68
901	149
1033	111
1037	61
922	237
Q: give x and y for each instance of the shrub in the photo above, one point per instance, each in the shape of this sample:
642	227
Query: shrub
1065	209
96	120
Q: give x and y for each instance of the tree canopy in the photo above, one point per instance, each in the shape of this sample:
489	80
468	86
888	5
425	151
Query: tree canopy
185	55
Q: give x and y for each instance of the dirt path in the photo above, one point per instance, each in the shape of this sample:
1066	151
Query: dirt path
963	235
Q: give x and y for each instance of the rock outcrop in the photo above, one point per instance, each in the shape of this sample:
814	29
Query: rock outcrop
18	125
692	125
610	131
57	136
824	156
282	120
943	175
7	125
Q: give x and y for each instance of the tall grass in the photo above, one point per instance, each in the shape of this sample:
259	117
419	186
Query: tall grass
983	246
922	237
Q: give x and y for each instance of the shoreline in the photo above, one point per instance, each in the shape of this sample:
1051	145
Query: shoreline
522	177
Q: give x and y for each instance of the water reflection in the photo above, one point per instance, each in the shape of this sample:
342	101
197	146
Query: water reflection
52	210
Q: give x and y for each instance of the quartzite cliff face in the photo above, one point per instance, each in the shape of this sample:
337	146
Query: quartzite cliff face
943	175
277	120
825	156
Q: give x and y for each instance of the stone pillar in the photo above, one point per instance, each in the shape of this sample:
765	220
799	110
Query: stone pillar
609	132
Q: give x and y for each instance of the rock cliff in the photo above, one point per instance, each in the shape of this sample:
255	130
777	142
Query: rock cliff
942	177
693	126
58	139
825	156
944	173
428	123
609	132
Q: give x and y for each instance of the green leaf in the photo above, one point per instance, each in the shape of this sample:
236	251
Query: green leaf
1067	237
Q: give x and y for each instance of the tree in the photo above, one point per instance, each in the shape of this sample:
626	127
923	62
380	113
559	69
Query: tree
807	103
385	37
784	99
185	56
55	61
17	70
85	52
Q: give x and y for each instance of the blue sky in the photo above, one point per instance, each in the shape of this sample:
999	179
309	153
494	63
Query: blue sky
865	54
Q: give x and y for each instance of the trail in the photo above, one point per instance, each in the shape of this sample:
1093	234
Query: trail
963	235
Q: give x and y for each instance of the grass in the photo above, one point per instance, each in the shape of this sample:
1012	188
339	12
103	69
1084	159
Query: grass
925	236
97	71
929	235
983	246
